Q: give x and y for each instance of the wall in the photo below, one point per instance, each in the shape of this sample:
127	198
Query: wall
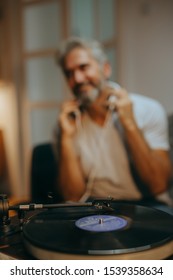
146	48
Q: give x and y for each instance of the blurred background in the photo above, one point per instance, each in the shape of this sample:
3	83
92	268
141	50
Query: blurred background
137	35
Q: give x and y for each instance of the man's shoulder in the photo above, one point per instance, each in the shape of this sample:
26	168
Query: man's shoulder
145	101
143	104
147	110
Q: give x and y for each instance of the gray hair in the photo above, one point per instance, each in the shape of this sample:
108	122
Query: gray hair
94	47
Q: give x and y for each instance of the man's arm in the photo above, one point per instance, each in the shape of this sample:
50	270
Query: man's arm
152	165
70	176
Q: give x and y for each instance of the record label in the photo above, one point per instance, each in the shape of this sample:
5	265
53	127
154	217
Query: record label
101	223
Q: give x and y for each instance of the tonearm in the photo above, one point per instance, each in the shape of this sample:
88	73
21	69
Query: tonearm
5	226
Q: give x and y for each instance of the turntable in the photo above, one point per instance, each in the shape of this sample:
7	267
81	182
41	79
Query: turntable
101	229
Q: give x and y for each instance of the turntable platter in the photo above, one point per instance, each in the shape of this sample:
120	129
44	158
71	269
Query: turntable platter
126	232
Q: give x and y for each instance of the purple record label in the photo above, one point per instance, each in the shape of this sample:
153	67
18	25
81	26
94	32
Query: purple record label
101	223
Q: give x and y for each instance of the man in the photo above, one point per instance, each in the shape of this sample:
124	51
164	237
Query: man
111	143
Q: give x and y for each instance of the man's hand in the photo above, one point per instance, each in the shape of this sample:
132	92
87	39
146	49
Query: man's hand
124	108
69	117
118	100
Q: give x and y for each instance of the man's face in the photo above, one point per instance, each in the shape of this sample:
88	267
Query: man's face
84	74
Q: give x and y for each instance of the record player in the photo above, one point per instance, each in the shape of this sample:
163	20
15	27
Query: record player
100	229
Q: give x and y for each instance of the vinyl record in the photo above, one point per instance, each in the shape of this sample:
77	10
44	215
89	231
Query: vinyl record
122	229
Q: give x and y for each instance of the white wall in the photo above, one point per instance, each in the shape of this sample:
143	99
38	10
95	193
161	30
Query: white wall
146	49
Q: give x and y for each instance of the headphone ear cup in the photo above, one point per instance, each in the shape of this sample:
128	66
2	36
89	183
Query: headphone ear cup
111	102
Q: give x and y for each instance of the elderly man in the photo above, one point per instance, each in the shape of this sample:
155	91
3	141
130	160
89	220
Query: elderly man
111	143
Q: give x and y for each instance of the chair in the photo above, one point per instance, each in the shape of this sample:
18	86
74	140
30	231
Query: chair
44	175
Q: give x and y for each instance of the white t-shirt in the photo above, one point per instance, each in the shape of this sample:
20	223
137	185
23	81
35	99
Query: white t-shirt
152	120
103	156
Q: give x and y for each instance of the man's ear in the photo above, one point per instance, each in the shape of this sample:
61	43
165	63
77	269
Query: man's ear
107	70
